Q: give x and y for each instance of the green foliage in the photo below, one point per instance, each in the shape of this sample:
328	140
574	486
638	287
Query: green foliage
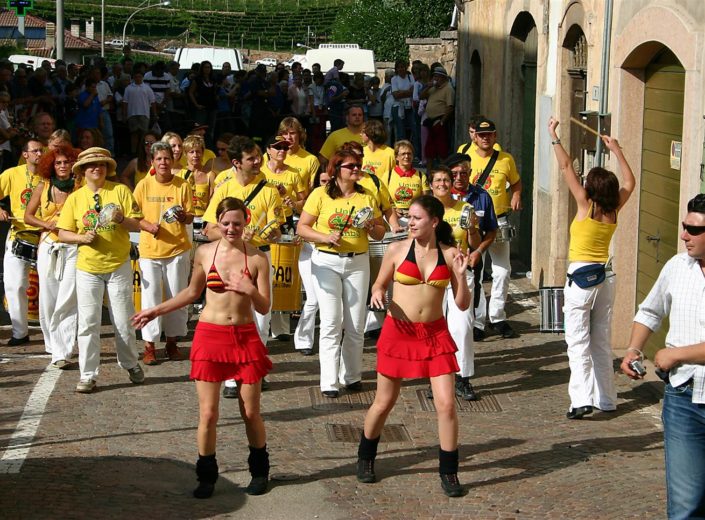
384	25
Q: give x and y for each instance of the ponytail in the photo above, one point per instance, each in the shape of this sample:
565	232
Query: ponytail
444	234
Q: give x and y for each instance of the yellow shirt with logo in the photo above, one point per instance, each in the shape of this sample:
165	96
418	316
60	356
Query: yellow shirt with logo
111	247
287	183
503	172
380	162
404	189
452	216
223	177
264	208
332	215
18	184
154	198
201	192
305	164
337	139
378	190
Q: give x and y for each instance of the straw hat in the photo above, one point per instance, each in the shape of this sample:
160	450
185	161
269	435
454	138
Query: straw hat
95	154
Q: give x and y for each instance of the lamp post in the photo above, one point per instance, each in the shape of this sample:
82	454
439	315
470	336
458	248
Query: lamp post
165	3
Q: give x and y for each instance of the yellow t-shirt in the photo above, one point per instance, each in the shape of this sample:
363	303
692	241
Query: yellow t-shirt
201	197
18	184
223	177
336	140
264	208
154	198
380	162
111	247
470	148
49	211
305	164
207	156
332	215
452	216
504	171
381	193
404	189
290	183
140	175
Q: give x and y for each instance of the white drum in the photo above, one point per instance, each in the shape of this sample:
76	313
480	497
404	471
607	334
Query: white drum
505	231
377	250
198	228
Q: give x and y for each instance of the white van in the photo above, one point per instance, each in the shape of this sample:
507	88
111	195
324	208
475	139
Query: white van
187	56
30	61
355	58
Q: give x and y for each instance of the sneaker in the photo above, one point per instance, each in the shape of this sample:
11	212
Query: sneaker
136	374
85	386
354	387
306	352
173	352
451	485
257	486
230	392
61	364
330	394
16	342
464	390
478	334
366	471
505	330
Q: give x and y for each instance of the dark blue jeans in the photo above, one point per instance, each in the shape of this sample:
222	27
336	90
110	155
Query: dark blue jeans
684	441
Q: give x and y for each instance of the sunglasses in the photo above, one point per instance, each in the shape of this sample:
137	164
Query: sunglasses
149	143
280	146
351	166
96	199
693	230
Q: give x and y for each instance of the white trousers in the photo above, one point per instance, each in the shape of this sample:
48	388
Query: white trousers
460	328
164	278
58	313
588	323
341	286
16	280
90	289
306	328
501	270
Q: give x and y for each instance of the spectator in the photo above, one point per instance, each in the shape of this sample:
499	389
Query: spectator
138	107
202	93
402	90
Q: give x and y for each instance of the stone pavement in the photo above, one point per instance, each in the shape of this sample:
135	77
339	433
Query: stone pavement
128	451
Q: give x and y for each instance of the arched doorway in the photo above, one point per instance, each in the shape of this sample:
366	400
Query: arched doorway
659	189
475	93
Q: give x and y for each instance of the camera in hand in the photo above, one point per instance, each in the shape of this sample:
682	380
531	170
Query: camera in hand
637	367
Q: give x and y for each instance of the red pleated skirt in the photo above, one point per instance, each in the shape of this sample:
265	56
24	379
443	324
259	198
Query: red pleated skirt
221	352
414	350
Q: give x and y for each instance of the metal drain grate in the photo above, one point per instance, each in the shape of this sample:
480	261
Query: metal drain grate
346	401
486	404
350	433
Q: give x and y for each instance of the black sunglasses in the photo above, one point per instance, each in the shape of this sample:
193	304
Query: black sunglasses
351	166
693	230
280	146
96	199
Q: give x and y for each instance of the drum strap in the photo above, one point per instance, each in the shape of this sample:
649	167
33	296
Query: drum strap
480	182
254	193
465	148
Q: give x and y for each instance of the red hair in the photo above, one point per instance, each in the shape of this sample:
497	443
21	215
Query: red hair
45	169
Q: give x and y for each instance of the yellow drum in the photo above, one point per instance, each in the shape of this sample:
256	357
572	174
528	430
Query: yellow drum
286	280
136	285
32	297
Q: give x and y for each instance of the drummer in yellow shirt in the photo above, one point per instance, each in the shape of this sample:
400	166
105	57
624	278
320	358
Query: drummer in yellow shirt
354	117
103	262
378	158
284	179
305	164
471	146
165	247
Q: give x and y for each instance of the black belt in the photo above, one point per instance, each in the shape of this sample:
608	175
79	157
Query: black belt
341	255
264	249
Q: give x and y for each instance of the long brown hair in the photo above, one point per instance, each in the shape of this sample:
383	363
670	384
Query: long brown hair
333	169
230	204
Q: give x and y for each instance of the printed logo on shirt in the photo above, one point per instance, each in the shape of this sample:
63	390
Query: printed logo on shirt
90	221
340	220
25	197
403	194
160	199
369	168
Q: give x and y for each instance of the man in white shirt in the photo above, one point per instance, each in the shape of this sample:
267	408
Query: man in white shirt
138	105
679	295
402	112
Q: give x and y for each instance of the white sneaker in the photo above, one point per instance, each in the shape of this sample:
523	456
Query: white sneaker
136	374
85	386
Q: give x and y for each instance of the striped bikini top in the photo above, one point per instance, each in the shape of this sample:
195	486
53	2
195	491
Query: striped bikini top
213	280
408	272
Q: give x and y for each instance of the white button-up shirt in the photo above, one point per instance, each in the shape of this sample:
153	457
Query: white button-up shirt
679	294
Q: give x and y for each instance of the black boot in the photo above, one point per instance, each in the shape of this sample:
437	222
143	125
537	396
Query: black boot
258	461
366	454
448	469
207	473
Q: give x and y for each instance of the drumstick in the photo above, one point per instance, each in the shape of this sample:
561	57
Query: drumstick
348	219
584	126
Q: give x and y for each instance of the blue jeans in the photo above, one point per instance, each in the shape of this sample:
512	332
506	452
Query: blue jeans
684	441
403	128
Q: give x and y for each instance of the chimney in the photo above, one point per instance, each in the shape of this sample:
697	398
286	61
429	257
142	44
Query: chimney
50	35
75	28
90	32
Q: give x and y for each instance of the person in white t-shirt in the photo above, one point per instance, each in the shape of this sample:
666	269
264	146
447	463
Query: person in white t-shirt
402	91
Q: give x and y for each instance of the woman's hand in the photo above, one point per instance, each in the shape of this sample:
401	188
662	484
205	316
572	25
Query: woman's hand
240	283
150	227
247	234
552	125
334	238
460	263
141	319
378	297
118	216
89	237
288	202
611	143
50	225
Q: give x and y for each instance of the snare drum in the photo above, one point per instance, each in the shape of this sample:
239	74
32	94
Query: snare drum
552	316
505	231
198	228
286	281
25	246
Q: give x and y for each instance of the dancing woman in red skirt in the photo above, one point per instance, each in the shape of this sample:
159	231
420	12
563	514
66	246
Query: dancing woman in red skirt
415	341
226	344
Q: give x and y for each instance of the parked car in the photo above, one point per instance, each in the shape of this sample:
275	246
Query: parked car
117	42
269	62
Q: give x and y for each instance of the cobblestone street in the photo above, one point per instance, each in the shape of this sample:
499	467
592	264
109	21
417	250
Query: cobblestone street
128	451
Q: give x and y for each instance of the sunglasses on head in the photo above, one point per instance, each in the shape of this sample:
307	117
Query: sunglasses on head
280	146
96	199
693	230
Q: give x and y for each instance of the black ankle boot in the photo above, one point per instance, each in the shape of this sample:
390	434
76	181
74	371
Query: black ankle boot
207	473
258	461
448	469
366	454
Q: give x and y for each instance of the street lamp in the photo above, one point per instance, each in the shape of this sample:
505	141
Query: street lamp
165	3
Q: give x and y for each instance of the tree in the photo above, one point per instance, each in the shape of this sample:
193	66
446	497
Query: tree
384	26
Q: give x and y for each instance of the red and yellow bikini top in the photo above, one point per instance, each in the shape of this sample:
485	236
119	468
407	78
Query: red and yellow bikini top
408	273
213	280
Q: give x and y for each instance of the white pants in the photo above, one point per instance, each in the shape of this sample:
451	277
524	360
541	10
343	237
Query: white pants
460	328
588	320
501	270
90	289
341	286
306	328
165	278
58	314
16	279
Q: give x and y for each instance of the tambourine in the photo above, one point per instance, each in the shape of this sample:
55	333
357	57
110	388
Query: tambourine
107	214
170	215
269	224
362	216
466	214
